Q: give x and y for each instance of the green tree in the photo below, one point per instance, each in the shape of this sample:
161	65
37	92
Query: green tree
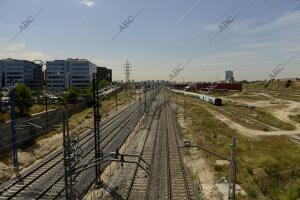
72	95
1	102
104	83
88	96
23	96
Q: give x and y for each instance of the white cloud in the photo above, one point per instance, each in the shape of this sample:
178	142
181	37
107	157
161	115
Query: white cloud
284	20
15	47
104	62
18	51
88	3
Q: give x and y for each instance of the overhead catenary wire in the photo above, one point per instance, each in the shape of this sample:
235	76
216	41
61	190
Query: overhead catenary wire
211	45
206	33
24	139
256	187
194	35
243	41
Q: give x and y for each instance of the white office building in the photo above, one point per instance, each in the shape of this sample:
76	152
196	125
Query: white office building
62	74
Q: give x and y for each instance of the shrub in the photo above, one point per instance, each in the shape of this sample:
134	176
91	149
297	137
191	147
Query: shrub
288	83
23	98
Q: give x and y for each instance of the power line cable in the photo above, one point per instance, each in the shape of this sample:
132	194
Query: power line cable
199	31
258	191
262	4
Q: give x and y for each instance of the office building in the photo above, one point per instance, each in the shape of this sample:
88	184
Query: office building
229	78
104	74
62	74
21	71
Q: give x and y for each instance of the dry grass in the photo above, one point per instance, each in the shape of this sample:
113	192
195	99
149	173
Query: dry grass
250	97
4	117
37	108
257	157
260	114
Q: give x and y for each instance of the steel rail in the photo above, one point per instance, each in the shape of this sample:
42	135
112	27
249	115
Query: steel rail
173	130
36	178
143	149
105	124
127	119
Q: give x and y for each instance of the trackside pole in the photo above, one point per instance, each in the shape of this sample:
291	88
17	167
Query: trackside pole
68	160
13	129
97	119
232	181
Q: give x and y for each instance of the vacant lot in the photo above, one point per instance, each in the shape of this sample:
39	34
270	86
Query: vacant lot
259	158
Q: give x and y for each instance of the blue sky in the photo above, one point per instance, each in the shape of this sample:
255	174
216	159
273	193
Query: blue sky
263	34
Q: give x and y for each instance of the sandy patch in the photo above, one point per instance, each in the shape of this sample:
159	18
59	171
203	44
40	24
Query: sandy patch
247	131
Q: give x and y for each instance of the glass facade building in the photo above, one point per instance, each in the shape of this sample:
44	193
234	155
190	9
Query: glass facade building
21	71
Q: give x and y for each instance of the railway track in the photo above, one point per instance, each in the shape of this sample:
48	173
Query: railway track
139	180
168	178
114	141
34	181
180	185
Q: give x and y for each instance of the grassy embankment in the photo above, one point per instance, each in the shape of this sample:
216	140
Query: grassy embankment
282	89
295	116
249	97
36	108
243	115
257	157
260	114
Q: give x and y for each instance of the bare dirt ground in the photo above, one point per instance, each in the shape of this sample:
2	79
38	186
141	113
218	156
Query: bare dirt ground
282	112
201	171
204	174
247	131
280	108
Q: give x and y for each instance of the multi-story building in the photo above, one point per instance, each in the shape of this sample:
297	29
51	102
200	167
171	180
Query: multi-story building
229	76
62	74
2	80
104	74
21	71
55	75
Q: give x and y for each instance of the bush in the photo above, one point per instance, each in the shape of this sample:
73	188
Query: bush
89	96
288	83
72	95
294	191
270	164
104	83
